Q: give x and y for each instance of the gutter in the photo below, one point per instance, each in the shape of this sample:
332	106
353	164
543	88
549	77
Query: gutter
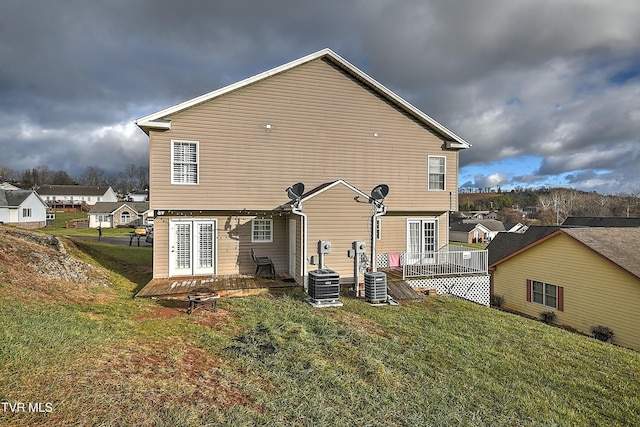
296	209
380	211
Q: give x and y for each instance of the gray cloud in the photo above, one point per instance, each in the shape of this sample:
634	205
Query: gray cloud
557	79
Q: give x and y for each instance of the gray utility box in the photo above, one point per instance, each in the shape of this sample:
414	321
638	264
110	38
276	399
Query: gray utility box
324	284
375	286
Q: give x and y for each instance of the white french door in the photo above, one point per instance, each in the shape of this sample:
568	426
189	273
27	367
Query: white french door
192	247
422	240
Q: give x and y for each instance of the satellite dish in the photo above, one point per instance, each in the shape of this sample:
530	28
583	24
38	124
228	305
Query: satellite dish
295	191
380	192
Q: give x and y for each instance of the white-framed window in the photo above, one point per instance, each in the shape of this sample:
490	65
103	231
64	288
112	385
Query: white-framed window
436	173
261	230
184	162
26	212
125	217
545	294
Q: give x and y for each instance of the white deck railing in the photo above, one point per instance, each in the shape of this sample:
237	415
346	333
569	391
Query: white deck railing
451	260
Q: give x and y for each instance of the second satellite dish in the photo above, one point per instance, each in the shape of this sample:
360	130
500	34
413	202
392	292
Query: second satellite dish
380	192
295	191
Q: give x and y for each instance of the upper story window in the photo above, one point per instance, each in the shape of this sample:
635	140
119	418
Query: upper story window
184	162
436	172
262	230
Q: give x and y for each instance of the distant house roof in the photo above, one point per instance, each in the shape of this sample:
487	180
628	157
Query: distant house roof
159	120
13	198
111	207
616	244
72	190
490	224
8	186
601	221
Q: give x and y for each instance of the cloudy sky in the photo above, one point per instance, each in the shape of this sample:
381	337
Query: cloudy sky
546	91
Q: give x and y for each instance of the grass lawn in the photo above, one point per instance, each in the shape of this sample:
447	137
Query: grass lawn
60	227
109	359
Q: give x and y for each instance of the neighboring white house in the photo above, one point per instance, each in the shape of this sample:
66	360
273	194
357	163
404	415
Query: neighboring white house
7	186
70	197
119	214
23	208
138	196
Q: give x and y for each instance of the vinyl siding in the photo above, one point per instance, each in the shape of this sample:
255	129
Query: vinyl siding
596	292
323	124
233	244
334	215
394	230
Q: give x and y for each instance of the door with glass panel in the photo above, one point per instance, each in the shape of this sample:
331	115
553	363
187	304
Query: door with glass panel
422	240
192	247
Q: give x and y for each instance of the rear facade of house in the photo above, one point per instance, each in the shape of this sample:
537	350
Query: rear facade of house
220	166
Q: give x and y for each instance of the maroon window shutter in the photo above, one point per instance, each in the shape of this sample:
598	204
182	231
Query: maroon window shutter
560	298
528	290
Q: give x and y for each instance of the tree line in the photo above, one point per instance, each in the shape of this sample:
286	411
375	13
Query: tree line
551	206
132	178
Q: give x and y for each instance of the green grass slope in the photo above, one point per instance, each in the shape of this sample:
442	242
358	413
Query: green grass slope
100	357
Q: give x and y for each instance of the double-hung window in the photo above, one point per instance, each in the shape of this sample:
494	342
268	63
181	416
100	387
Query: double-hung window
262	230
545	294
436	173
184	162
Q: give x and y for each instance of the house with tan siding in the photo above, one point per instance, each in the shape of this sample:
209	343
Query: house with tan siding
586	276
220	165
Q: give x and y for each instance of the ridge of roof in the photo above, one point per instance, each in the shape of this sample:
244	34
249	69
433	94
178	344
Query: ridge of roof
157	120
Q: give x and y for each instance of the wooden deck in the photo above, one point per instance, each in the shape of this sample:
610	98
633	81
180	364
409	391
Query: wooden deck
224	285
397	287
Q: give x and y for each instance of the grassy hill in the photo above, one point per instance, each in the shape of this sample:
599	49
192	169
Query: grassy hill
93	355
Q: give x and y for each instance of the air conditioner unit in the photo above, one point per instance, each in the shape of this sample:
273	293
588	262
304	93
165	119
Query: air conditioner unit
375	287
324	288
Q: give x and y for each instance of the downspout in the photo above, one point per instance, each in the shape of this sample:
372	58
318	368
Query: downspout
380	211
296	209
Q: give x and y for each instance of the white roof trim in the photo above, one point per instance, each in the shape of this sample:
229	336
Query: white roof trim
154	121
333	184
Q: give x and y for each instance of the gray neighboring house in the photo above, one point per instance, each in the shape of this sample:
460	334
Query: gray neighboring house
22	208
119	214
475	230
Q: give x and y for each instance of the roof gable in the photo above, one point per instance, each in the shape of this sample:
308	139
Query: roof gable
14	198
111	207
326	186
615	244
159	120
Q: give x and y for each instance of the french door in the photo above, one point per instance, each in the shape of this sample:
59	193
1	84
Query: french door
192	247
422	240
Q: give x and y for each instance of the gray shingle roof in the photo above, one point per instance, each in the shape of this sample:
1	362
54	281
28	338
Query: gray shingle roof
505	244
110	207
72	190
618	244
13	198
601	221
